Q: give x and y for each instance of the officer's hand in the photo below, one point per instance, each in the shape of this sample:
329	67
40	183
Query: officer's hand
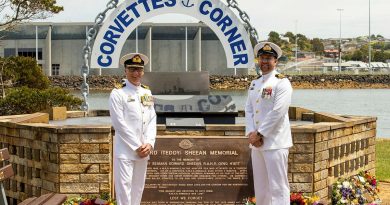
140	151
253	137
258	143
249	137
249	134
145	150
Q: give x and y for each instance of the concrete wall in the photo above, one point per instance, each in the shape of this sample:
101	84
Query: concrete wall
169	55
68	53
213	58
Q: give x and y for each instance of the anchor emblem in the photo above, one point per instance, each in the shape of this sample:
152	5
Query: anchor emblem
187	4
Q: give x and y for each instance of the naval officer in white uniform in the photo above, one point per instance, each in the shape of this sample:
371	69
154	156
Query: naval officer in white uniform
268	128
134	120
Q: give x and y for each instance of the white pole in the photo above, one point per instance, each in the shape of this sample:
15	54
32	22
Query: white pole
369	36
296	45
340	10
136	40
149	39
36	43
186	49
48	51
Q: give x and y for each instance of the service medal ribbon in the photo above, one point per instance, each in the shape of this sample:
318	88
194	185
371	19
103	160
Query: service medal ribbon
266	93
147	100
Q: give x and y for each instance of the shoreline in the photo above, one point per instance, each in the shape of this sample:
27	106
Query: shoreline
308	82
242	82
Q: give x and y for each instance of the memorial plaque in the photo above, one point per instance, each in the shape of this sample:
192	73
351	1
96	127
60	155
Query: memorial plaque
199	170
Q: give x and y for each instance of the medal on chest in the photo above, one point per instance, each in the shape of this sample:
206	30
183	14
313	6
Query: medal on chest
147	100
267	91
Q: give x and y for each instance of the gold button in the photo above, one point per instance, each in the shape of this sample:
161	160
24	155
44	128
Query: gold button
258	90
257	111
257	101
257	122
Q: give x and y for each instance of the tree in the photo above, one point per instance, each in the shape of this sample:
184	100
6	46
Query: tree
378	45
381	56
303	43
23	71
28	88
364	50
357	55
387	46
290	36
274	37
318	46
13	12
347	57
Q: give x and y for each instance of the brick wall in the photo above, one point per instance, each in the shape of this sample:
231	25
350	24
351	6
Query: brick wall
77	159
332	147
61	159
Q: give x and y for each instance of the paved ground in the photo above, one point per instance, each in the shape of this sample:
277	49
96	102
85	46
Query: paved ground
384	193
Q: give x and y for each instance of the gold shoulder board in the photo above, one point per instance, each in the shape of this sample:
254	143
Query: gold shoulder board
145	86
120	85
280	76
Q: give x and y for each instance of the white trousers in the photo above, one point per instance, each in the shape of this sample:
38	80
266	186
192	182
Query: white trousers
270	177
129	180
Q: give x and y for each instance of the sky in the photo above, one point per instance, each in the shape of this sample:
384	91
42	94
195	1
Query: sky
313	18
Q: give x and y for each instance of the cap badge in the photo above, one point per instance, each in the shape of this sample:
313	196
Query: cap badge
137	59
267	47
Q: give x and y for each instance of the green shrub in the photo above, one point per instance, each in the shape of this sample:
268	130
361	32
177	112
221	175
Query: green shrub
25	100
24	71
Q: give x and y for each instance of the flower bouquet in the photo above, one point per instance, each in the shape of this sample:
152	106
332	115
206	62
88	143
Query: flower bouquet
251	201
295	199
103	199
300	199
357	190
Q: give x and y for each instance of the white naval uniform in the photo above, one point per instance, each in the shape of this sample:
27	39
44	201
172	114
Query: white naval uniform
267	113
134	124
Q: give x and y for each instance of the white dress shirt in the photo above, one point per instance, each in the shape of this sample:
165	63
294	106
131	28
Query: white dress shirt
134	122
266	111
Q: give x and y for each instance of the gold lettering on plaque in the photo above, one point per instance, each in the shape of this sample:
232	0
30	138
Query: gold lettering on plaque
1	176
185	144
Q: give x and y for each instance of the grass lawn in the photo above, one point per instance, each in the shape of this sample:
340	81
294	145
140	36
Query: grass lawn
383	160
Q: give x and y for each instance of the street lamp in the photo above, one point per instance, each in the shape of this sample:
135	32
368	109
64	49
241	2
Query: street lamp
369	36
340	10
296	45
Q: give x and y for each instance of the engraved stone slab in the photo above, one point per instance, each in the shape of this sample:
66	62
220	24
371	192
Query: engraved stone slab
195	103
201	170
177	83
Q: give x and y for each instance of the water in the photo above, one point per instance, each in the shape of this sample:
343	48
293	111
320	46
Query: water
366	102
